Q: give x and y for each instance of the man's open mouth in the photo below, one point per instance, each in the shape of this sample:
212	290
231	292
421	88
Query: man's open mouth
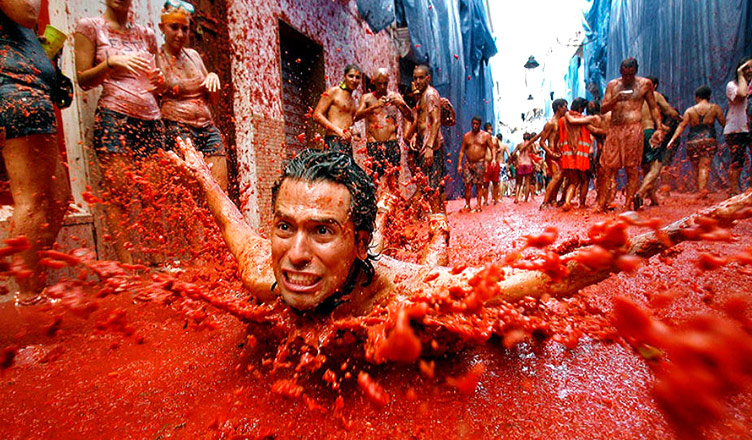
298	280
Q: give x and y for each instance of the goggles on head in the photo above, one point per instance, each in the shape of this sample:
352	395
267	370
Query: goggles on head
180	4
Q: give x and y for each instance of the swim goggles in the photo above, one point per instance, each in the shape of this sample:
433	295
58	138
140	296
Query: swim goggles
180	4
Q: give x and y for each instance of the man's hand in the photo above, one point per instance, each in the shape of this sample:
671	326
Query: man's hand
345	134
192	159
656	139
459	169
211	83
428	157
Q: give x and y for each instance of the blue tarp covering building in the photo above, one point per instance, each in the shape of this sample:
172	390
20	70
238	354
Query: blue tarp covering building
454	39
684	43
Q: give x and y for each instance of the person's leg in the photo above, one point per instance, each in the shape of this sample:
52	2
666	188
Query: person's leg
703	171
633	181
605	179
41	193
468	194
737	147
553	187
584	187
115	182
572	181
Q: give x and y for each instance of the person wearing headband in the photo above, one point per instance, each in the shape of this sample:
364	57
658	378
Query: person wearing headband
188	89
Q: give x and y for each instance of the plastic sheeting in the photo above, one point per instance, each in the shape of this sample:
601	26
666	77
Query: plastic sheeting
684	43
454	39
378	14
594	47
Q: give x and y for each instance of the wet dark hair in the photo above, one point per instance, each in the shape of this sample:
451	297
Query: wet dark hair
654	80
629	63
579	104
424	68
703	92
333	166
558	103
738	65
486	125
355	67
498	136
595	109
477	118
528	136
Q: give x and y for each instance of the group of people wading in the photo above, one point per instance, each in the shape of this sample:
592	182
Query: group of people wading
328	221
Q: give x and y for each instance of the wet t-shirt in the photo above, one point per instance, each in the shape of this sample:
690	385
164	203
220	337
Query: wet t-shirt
123	92
185	70
23	62
736	118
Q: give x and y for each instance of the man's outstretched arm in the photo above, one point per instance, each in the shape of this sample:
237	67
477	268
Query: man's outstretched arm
250	249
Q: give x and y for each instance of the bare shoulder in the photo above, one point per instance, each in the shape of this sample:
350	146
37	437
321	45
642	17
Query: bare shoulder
614	83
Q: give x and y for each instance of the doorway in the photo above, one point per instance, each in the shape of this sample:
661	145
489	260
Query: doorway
302	69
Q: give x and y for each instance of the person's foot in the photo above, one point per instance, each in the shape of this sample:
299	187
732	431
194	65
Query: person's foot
478	209
566	207
466	208
637	202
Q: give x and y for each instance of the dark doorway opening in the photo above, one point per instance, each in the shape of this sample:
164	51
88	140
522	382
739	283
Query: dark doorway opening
302	64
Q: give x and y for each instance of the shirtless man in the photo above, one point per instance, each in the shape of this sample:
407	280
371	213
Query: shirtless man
336	111
317	258
427	153
492	173
524	165
380	109
549	142
476	145
624	143
653	156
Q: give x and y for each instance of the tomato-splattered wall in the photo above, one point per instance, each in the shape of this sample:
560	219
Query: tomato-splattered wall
259	115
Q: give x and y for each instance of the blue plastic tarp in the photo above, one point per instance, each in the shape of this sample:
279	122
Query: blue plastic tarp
685	44
454	38
379	14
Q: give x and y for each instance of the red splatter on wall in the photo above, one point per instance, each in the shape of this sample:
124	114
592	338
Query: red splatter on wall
253	27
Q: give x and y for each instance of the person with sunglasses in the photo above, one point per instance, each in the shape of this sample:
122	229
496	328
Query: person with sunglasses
188	89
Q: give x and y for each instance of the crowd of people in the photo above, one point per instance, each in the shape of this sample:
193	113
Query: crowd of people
152	95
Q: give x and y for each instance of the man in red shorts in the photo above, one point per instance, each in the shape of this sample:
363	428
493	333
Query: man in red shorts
491	176
624	143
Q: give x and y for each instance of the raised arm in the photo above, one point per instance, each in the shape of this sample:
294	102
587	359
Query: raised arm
579	120
680	128
252	252
363	110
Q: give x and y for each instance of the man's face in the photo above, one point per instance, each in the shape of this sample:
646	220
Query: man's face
176	35
475	125
380	84
489	130
561	110
628	74
314	243
352	79
420	79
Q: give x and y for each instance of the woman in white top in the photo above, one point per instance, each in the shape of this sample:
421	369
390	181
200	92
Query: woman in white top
736	131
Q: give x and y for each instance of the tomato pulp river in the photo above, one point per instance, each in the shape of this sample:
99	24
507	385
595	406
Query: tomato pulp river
143	370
